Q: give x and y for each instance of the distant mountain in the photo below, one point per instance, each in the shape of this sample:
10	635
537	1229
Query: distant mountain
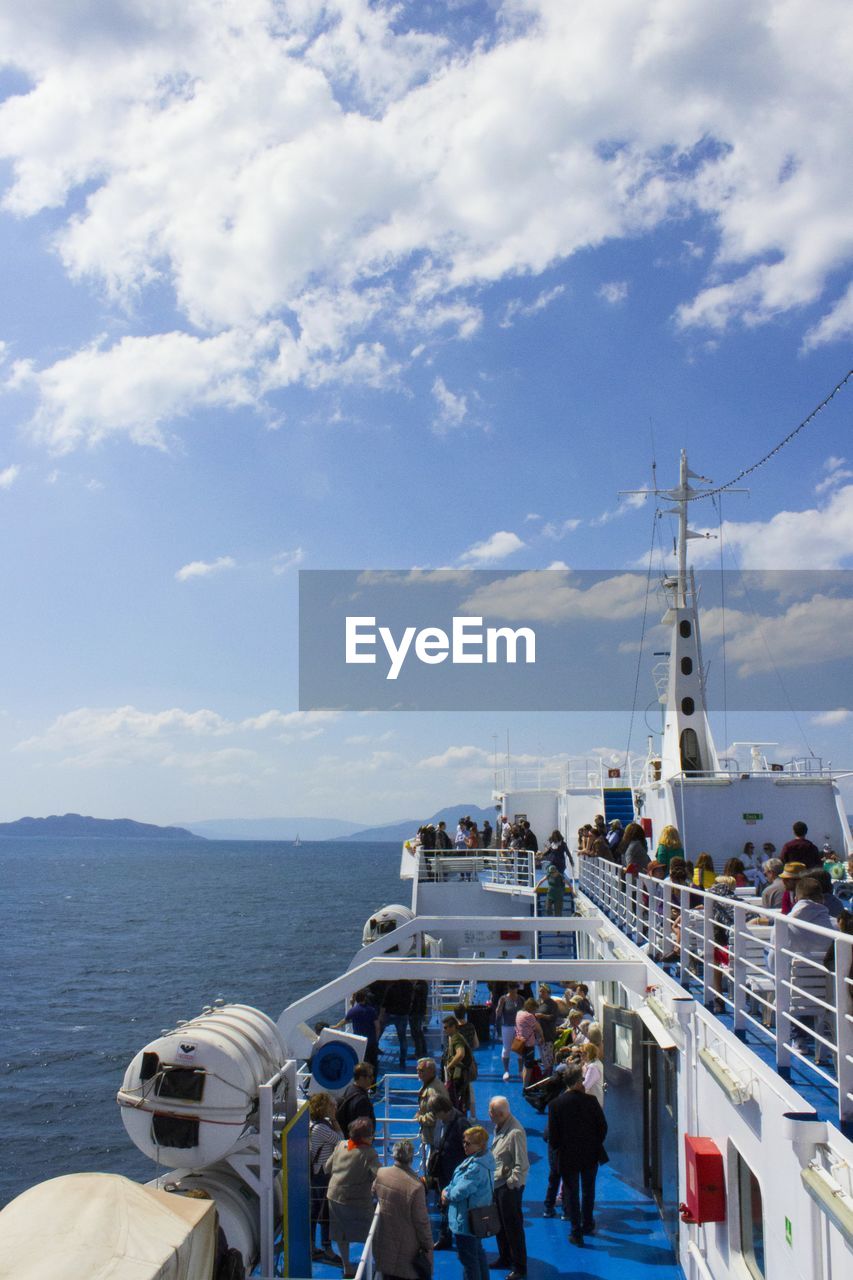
74	824
273	828
397	832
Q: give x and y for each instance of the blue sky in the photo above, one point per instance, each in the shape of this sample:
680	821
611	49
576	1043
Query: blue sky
351	285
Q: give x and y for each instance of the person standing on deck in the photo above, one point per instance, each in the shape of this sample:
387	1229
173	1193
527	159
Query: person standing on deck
396	1005
446	1155
486	835
547	1015
506	1011
431	1090
472	1187
363	1017
556	890
509	1148
458	1064
801	850
354	1103
469	1031
418	1015
576	1131
527	1028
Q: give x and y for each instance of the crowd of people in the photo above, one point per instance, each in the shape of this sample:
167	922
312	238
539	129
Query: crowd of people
557	1046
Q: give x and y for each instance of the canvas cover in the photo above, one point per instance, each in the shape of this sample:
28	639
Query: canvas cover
99	1226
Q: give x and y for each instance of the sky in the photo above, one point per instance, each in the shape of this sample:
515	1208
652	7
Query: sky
292	285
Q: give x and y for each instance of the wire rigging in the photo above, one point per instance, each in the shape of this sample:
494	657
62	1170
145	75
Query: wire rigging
709	493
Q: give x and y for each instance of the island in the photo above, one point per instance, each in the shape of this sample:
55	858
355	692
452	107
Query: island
76	824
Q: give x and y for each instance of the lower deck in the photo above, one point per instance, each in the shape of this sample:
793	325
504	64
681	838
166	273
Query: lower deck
629	1237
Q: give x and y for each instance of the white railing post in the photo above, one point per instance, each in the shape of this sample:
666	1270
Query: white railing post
782	977
844	1026
738	969
707	950
267	1174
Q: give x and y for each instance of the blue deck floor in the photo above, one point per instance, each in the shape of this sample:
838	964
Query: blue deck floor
629	1240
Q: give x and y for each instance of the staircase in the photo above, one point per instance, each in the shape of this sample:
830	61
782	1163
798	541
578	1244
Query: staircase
618	803
556	946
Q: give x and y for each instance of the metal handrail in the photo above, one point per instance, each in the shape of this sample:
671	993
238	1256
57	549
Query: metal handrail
758	974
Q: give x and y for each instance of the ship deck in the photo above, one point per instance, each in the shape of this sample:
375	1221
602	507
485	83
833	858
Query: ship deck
629	1238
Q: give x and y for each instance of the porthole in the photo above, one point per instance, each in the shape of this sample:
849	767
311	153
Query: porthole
686	666
688	706
685	629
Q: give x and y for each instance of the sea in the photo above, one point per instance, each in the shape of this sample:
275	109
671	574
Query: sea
107	942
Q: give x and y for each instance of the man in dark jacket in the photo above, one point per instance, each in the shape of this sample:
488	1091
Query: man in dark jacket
355	1102
576	1132
446	1155
800	849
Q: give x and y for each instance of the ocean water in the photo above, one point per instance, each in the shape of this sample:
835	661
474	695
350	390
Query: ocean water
106	942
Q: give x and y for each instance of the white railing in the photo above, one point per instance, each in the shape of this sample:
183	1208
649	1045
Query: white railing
513	868
584	773
769	972
365	1268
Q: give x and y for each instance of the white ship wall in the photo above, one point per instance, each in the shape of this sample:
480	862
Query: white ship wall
709	814
759	1132
539	807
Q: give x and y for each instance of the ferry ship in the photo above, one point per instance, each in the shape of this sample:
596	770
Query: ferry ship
728	1043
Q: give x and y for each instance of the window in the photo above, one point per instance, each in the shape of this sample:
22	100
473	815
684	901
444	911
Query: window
751	1219
686	666
684	629
688	706
622	1046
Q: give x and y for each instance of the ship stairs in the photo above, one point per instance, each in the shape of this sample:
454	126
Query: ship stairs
555	946
618	803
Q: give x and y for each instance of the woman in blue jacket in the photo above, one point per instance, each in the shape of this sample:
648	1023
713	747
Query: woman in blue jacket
471	1187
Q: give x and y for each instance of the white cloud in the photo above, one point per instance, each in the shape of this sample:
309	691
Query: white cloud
91	736
614	292
452	757
517	308
809	632
9	475
497	547
554	596
287	560
816	538
452	408
836	474
630	502
532	515
259	161
558	564
204	568
556	532
828	719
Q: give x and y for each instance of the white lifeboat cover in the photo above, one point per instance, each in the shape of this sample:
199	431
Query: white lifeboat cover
94	1226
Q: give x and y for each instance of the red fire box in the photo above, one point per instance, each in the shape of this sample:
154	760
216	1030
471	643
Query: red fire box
706	1186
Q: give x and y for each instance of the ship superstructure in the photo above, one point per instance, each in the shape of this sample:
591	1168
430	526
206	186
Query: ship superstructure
733	1128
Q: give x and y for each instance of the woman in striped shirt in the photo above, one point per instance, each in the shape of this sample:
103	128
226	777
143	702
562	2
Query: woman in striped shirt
324	1134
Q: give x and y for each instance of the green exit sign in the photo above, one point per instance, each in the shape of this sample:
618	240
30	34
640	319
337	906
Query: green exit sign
753	817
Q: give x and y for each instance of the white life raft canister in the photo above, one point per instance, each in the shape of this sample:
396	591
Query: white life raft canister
188	1097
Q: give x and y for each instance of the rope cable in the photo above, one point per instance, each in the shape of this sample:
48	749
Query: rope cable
709	493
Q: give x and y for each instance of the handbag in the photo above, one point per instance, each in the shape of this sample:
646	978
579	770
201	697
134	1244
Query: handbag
422	1264
484	1220
518	1045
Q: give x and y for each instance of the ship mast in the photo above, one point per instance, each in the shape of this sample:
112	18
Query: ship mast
688	745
